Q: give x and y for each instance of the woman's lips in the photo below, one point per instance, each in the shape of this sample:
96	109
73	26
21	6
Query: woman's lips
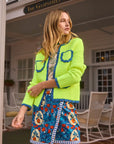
67	29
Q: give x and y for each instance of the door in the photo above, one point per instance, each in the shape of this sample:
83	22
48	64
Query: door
105	82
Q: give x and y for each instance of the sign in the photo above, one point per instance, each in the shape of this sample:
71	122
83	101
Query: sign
42	4
10	1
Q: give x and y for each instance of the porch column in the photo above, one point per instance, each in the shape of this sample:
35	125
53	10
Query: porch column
90	79
2	55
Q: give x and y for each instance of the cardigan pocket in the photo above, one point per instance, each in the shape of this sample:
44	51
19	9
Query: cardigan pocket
66	56
39	65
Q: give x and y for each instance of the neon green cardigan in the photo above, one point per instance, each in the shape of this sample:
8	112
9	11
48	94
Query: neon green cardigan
67	73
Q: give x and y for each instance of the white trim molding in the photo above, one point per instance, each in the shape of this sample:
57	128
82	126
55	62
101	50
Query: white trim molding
16	10
2	54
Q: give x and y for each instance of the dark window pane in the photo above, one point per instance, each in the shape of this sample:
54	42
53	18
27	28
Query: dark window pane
104	88
100	89
104	83
110	89
110	77
109	70
102	54
97	59
99	71
110	95
104	77
112	52
109	82
109	101
106	101
99	77
100	83
97	54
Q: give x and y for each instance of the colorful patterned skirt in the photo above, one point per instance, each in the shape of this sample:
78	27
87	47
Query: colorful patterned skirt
54	122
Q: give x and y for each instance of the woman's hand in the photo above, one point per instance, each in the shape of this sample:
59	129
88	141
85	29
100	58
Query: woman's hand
18	120
36	90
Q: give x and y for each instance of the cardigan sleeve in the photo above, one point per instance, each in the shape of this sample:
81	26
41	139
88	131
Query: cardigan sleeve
28	100
76	68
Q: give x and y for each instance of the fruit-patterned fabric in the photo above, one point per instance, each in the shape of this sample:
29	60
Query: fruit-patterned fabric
54	122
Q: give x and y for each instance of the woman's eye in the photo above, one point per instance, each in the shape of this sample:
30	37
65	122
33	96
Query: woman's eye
62	20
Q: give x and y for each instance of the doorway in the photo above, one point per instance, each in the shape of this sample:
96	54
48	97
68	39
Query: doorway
105	82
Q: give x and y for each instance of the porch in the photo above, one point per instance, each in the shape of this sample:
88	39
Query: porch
95	25
9	132
22	136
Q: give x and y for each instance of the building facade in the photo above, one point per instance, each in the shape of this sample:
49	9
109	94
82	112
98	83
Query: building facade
93	21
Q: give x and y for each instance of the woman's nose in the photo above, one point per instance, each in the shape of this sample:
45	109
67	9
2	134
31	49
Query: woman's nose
67	23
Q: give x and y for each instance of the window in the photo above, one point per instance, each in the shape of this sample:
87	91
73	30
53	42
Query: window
24	74
105	82
104	56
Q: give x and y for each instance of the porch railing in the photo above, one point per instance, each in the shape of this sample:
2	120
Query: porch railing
84	101
18	98
82	105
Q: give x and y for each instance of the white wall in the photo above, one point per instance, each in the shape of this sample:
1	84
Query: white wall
95	40
22	49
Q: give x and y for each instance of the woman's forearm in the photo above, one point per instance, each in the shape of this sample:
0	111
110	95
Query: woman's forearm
37	89
23	109
18	119
49	84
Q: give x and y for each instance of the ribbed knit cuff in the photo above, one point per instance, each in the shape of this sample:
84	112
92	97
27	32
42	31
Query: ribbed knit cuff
29	107
57	83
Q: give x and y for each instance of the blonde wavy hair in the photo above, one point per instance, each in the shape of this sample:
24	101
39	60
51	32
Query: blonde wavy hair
52	35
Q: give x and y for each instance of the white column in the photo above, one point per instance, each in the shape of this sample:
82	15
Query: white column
2	55
90	79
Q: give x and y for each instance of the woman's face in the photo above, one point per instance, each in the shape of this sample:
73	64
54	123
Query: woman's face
64	23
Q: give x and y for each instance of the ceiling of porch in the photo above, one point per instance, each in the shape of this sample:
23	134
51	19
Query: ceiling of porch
87	15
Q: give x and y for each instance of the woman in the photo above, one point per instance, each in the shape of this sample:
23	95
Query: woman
55	86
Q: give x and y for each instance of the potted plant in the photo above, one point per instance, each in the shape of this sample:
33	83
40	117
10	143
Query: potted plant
9	82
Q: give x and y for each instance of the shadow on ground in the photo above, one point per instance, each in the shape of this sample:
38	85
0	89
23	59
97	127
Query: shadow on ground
16	137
